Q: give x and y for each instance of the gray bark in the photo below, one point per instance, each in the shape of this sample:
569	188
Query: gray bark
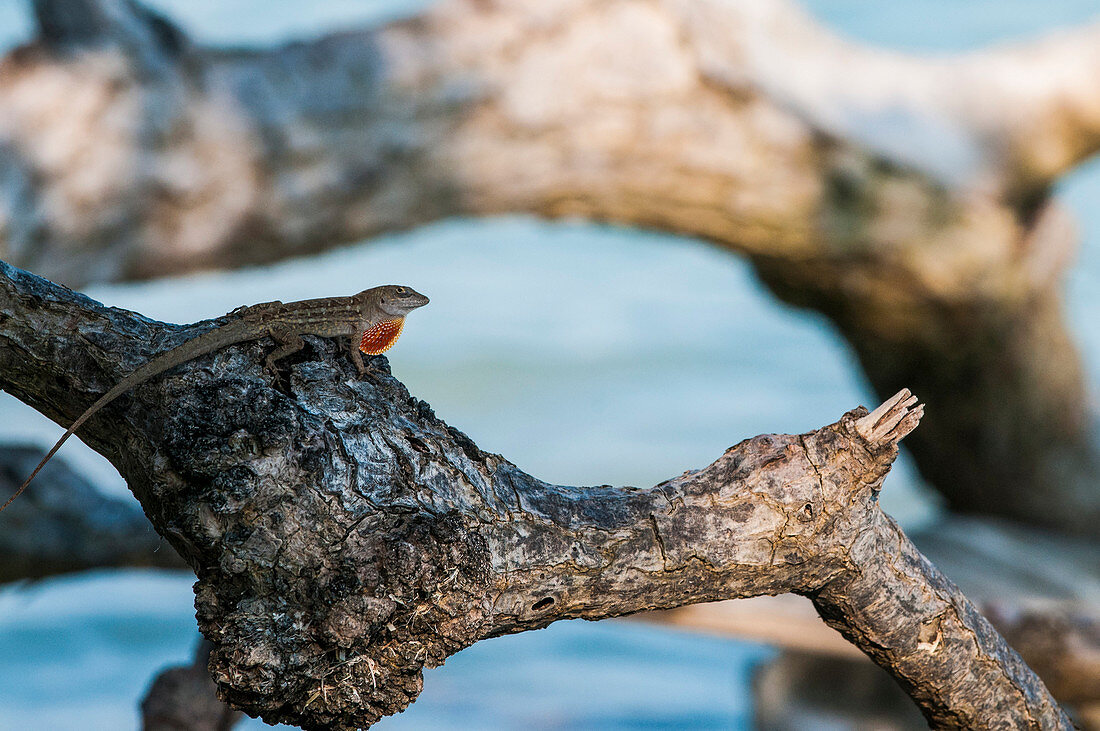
799	690
738	123
344	537
1040	590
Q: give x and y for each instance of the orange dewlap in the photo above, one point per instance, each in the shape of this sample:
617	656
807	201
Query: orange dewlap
381	337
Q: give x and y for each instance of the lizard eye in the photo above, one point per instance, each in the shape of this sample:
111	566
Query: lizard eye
401	290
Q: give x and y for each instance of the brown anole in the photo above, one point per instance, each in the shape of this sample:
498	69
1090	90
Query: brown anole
373	319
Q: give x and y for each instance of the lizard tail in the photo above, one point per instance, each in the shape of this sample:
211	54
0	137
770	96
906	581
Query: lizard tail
103	401
205	343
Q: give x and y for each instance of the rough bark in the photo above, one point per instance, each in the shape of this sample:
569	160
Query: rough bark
1074	637
742	123
344	537
1058	639
798	690
66	525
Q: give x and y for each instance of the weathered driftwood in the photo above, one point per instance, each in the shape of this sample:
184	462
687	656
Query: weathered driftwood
69	525
905	198
796	690
345	538
1061	643
1040	590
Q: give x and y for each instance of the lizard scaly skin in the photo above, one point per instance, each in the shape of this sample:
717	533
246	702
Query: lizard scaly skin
372	319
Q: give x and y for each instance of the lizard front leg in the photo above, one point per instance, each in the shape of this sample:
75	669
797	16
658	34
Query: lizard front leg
289	342
356	356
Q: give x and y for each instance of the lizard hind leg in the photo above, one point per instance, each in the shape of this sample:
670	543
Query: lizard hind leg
289	343
356	357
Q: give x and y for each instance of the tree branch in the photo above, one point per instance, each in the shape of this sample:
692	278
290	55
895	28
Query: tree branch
1005	121
1040	590
198	157
942	280
345	538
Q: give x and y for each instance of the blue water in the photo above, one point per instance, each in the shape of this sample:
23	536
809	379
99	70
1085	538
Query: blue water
79	651
687	356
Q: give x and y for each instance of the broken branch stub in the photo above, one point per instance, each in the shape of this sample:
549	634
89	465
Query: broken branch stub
345	538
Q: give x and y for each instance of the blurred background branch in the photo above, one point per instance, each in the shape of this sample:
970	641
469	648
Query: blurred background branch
68	525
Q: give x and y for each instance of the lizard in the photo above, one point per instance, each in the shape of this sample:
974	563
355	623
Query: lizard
373	319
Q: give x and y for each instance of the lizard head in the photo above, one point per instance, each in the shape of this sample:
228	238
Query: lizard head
393	299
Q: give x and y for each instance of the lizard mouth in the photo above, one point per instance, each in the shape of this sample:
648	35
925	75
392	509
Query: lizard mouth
381	337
